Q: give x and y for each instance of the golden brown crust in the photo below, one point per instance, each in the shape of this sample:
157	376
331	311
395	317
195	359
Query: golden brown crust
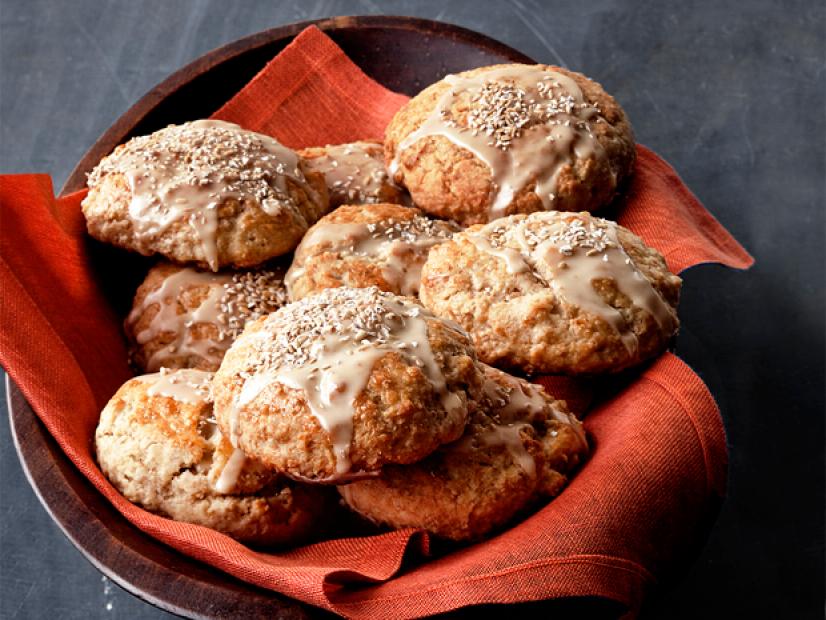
358	252
451	182
470	487
519	320
398	416
165	455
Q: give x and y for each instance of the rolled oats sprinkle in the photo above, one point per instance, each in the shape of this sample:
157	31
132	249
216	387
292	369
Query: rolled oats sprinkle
184	173
249	295
218	159
526	122
364	318
501	109
412	230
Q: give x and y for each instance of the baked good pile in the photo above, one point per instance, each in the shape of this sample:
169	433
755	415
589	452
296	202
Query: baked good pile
353	327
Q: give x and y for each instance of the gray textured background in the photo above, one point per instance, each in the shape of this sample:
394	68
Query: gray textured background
731	93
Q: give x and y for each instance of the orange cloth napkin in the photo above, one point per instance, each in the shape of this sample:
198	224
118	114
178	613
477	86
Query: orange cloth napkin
644	499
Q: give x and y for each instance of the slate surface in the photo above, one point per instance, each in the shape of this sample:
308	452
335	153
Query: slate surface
731	93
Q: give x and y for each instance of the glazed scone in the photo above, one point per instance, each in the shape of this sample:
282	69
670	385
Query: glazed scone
519	447
341	383
158	445
510	139
186	318
205	192
555	293
381	245
354	173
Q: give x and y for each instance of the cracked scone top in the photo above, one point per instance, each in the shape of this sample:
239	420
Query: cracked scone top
206	192
555	292
343	382
158	444
354	173
186	318
381	245
509	139
520	446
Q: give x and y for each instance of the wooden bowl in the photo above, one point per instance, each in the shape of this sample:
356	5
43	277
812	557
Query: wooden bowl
402	53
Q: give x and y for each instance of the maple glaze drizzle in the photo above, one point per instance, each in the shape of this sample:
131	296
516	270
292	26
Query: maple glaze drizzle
569	254
354	172
525	122
168	320
231	300
325	346
511	406
186	385
190	386
186	172
399	246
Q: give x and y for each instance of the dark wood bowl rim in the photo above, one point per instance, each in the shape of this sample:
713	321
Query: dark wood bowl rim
199	591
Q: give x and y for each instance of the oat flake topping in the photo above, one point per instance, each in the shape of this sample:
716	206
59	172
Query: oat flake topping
326	345
185	172
525	122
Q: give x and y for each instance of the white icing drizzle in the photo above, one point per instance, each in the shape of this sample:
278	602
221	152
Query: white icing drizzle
568	253
232	470
354	172
168	320
326	346
525	122
514	261
399	246
232	299
512	405
185	172
185	385
194	387
509	435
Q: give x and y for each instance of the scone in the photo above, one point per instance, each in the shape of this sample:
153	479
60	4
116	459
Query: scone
520	446
382	245
354	173
554	293
205	192
158	445
341	383
510	139
186	318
